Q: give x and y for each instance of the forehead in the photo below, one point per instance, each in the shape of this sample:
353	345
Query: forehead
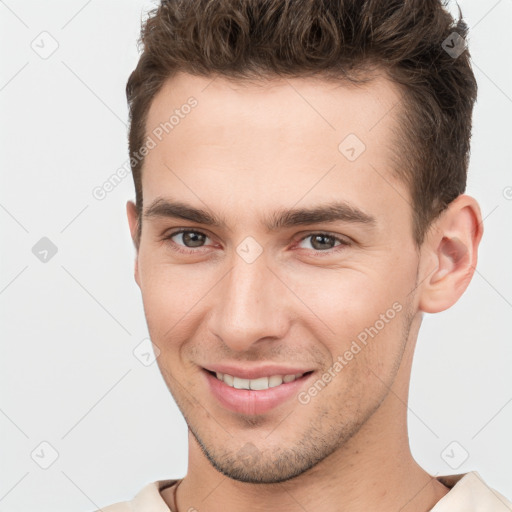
294	104
272	142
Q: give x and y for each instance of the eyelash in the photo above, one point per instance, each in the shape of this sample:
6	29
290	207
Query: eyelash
179	248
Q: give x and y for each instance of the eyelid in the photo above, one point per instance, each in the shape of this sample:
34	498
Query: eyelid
341	238
170	234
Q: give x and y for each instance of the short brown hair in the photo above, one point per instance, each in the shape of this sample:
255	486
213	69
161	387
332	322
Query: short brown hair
336	39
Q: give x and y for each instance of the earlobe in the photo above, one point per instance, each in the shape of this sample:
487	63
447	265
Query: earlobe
451	251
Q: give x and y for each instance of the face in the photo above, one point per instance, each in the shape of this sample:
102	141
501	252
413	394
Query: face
275	241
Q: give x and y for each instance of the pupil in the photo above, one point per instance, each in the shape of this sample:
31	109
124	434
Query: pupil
192	239
322	239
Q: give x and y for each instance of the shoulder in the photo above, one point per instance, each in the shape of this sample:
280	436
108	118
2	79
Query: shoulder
117	507
148	498
470	493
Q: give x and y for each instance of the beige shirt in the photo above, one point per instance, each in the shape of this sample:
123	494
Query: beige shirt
468	493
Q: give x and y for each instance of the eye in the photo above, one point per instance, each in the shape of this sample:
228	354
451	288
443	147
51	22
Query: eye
186	239
322	242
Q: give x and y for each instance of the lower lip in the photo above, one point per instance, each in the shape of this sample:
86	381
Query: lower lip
246	401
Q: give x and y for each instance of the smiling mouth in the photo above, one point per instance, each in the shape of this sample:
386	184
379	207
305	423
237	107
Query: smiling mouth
258	384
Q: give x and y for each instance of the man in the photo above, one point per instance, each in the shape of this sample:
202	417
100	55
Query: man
300	170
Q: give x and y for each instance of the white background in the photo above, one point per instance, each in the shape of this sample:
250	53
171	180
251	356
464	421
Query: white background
70	325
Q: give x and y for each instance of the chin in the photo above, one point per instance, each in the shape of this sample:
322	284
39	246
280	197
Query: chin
249	464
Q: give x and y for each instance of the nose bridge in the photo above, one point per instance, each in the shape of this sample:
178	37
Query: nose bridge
246	307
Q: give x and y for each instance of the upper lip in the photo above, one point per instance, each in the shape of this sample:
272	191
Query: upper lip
255	372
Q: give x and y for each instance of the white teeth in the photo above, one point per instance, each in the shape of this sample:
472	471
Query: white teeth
275	380
258	384
241	383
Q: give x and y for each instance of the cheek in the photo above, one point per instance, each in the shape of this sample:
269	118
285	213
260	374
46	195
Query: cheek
338	306
172	296
357	312
348	298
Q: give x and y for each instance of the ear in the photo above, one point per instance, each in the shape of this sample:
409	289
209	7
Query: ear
133	221
449	255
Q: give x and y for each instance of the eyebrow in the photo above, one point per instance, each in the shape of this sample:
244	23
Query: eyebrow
337	211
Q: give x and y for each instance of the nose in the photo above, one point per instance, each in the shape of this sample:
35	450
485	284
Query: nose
249	306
